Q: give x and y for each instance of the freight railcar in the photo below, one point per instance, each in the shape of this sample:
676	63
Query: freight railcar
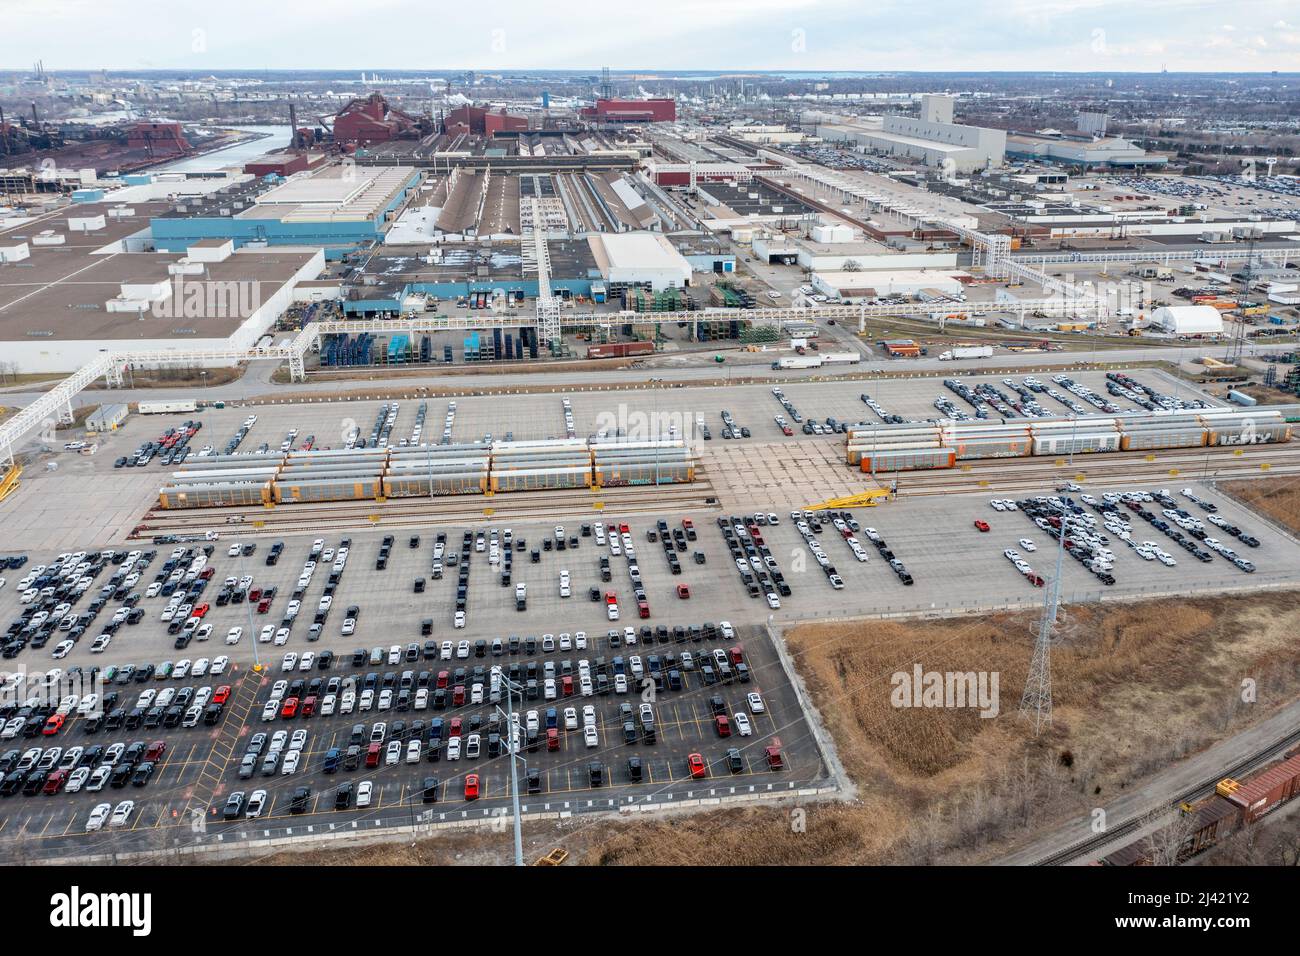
216	495
441	483
537	479
338	489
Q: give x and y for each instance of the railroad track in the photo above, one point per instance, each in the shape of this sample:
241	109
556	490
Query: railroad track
404	511
1203	789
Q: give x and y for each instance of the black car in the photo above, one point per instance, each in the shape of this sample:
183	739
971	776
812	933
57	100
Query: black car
234	807
298	802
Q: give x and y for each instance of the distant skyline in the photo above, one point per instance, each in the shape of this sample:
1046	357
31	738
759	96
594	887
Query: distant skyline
777	35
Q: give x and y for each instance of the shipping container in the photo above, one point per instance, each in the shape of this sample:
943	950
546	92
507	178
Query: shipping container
619	349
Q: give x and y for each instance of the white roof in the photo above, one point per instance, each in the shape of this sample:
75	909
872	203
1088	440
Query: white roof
1189	319
641	250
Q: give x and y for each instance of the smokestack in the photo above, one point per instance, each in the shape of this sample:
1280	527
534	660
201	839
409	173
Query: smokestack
293	126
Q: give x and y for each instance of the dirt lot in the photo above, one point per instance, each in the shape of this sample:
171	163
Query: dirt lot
1279	498
1137	686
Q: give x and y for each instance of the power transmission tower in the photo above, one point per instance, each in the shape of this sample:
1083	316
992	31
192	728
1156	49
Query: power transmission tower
1036	701
1238	341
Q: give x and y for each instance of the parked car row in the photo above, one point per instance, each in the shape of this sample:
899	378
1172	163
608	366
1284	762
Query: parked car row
758	568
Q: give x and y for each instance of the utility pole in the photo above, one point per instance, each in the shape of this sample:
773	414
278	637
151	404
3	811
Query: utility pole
512	748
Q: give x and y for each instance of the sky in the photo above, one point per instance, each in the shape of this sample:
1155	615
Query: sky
806	35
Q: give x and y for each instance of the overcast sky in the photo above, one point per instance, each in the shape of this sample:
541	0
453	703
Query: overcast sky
939	35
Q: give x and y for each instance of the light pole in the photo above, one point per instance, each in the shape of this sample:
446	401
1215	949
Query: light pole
511	687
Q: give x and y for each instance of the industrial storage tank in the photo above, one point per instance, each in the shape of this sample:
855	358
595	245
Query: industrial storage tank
217	495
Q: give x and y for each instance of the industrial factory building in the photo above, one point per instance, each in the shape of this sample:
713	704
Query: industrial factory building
631	111
640	258
482	122
932	138
1110	152
338	208
370	119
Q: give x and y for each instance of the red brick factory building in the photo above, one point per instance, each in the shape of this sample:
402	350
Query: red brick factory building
371	120
631	111
484	122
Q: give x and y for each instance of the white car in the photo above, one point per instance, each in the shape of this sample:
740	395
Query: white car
580	640
99	816
308	659
1028	545
453	748
122	813
462	650
289	663
234	634
219	664
773	601
256	804
589	736
755	701
570	718
281	637
271	709
459	620
77	779
365	789
611	611
266	634
290	764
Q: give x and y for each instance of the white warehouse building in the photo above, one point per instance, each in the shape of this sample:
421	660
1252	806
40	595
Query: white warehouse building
932	138
1189	319
640	258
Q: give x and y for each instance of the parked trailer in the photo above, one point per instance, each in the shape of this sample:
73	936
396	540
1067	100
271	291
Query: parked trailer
966	352
536	479
919	459
620	349
801	361
167	408
841	358
215	495
418	486
339	490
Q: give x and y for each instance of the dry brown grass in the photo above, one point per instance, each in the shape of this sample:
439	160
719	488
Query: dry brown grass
1279	498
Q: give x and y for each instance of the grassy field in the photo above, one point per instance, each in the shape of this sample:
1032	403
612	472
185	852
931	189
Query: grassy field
1279	498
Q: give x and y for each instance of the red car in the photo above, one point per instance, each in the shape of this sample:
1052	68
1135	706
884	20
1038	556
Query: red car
53	725
453	729
289	708
55	781
695	764
611	597
458	695
471	786
207	573
566	686
722	724
255	594
156	750
981	525
263	605
642	609
773	755
687	524
372	755
737	656
443	678
201	610
552	739
221	695
308	706
683	591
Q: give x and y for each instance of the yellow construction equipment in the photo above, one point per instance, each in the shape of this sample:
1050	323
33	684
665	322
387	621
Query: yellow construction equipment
9	483
867	499
554	858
